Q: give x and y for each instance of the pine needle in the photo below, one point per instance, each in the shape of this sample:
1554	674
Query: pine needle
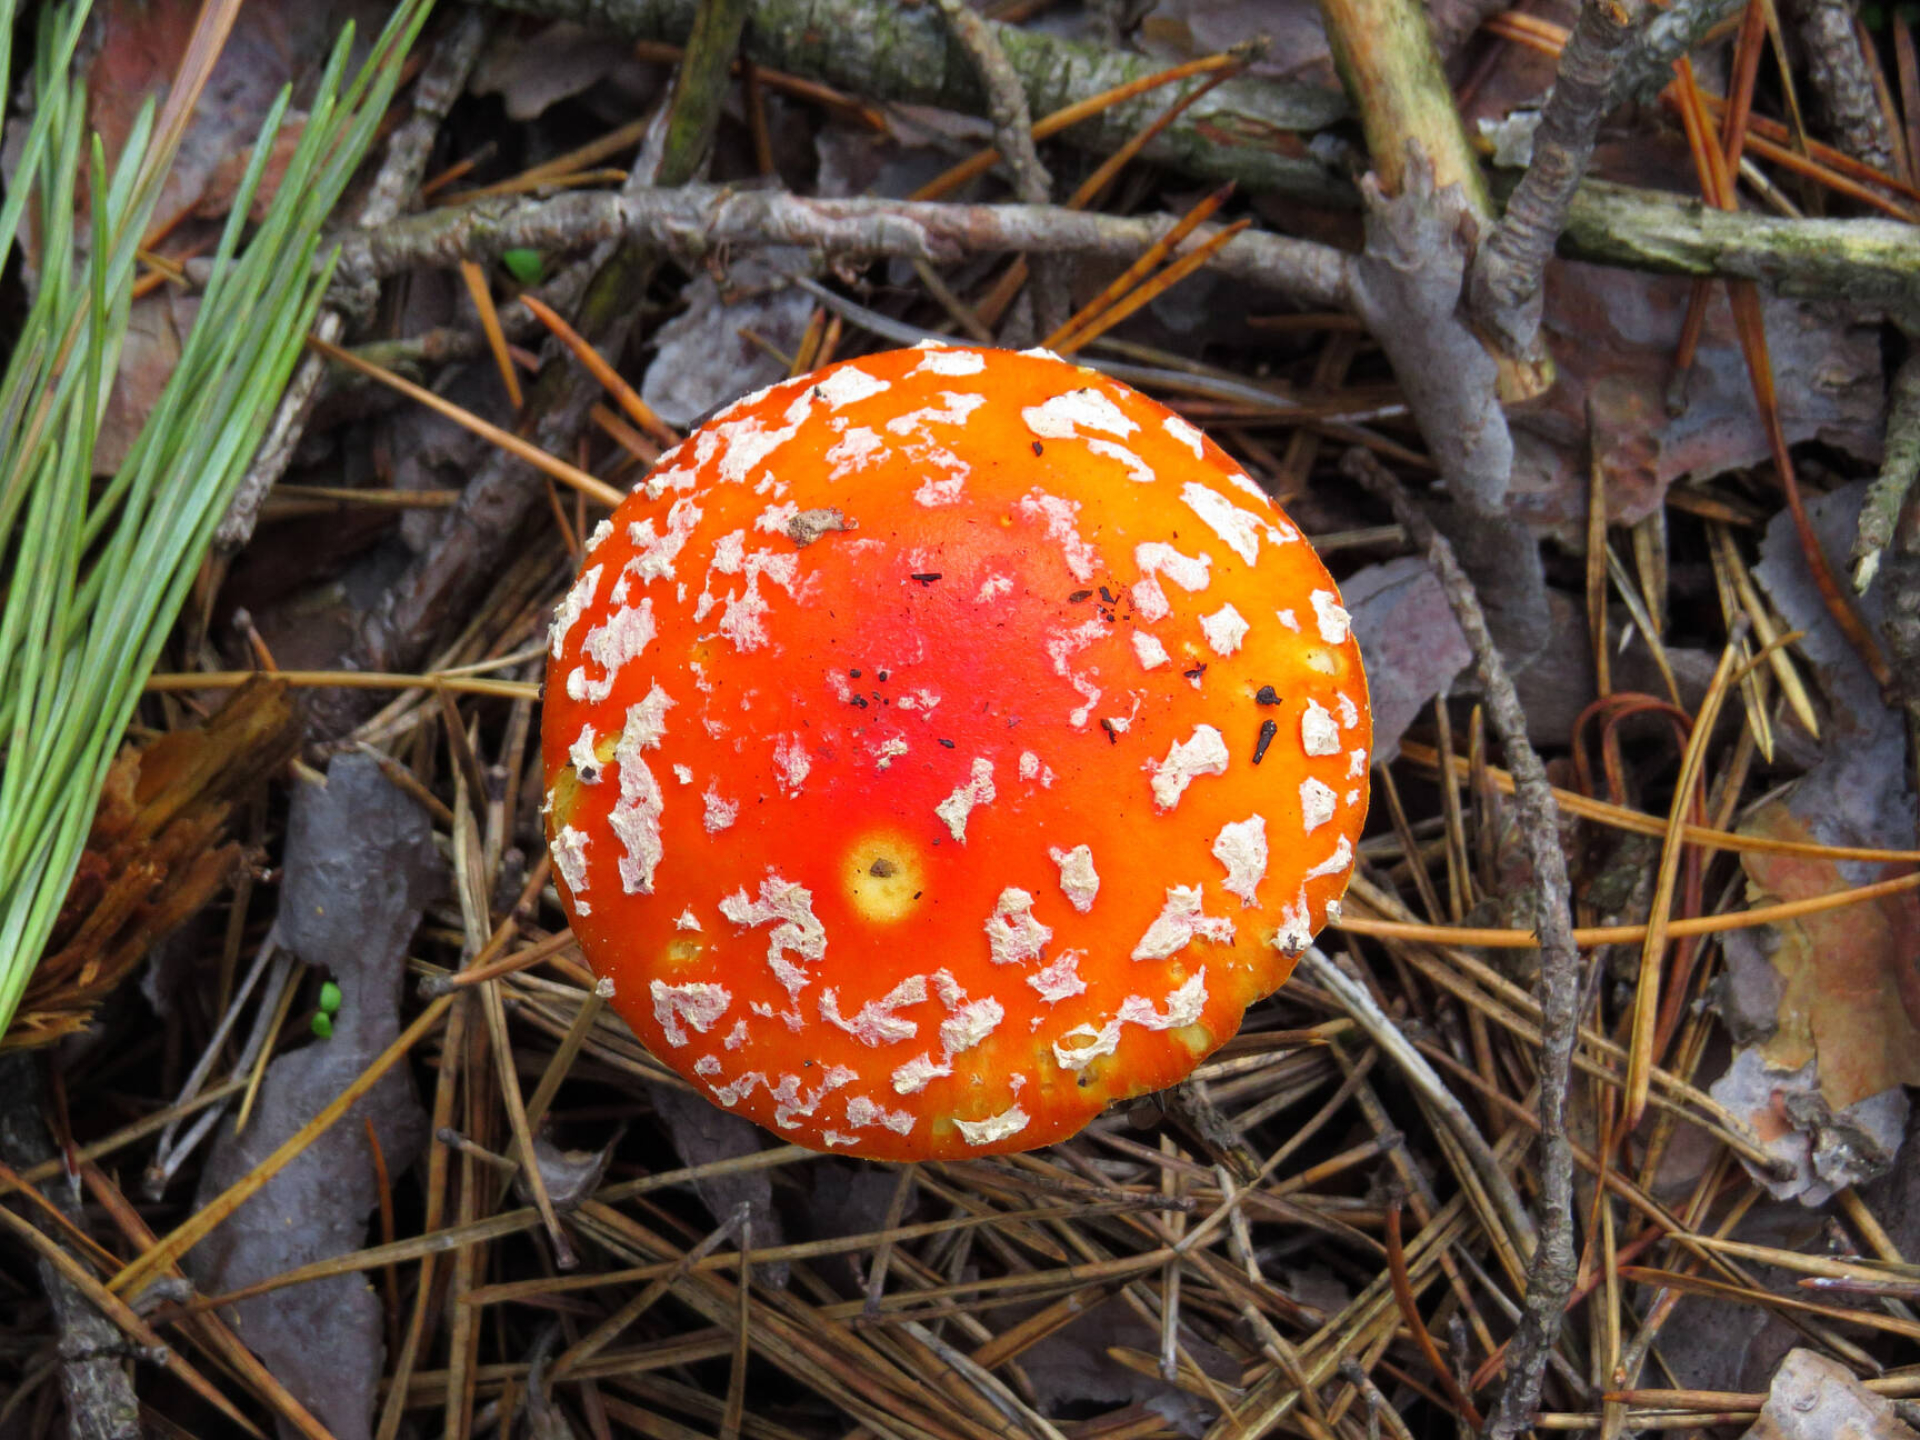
96	576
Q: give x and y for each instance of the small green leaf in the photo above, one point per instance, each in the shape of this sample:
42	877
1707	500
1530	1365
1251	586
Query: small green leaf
329	998
529	267
323	1025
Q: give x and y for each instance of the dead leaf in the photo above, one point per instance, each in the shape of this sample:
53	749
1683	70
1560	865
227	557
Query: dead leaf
571	1176
1414	650
1613	334
1857	794
360	868
224	183
1177	30
532	73
1822	1083
704	360
157	326
141	43
1840	1000
1814	1398
157	853
854	162
1412	645
1828	1041
704	1133
1073	1367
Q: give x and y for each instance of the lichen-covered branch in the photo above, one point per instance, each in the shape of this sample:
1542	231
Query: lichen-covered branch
1647	67
95	1372
1013	135
700	89
1898	469
1385	53
1006	100
1386	57
1887	549
697	219
1250	131
1245	130
1506	289
1867	264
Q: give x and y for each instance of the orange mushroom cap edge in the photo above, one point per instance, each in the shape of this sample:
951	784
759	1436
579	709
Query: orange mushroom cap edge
945	745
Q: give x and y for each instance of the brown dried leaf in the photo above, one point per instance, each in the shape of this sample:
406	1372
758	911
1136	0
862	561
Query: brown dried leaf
141	45
1613	334
571	1176
704	1134
155	854
1839	972
224	183
1177	30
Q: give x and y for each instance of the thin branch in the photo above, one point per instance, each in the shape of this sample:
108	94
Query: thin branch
1506	288
1675	30
1006	99
1408	290
1380	1029
1897	471
700	89
1241	131
1841	78
1550	1274
94	1355
435	593
1013	135
697	219
408	150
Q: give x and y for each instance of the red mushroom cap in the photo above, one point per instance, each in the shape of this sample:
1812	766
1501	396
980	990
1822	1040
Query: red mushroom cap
944	745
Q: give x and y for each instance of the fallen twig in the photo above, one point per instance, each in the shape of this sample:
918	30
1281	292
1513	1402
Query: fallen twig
1013	134
1550	1275
94	1369
1380	1029
408	150
1840	77
694	220
1506	287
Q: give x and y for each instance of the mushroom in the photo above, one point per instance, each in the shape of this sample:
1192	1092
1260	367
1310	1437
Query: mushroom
945	745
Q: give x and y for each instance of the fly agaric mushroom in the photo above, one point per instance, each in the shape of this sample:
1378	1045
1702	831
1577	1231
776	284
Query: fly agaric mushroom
944	745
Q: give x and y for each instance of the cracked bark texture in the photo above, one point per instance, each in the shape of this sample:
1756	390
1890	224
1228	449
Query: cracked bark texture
1842	81
1551	1268
1012	119
1253	132
1868	264
1647	67
1895	482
